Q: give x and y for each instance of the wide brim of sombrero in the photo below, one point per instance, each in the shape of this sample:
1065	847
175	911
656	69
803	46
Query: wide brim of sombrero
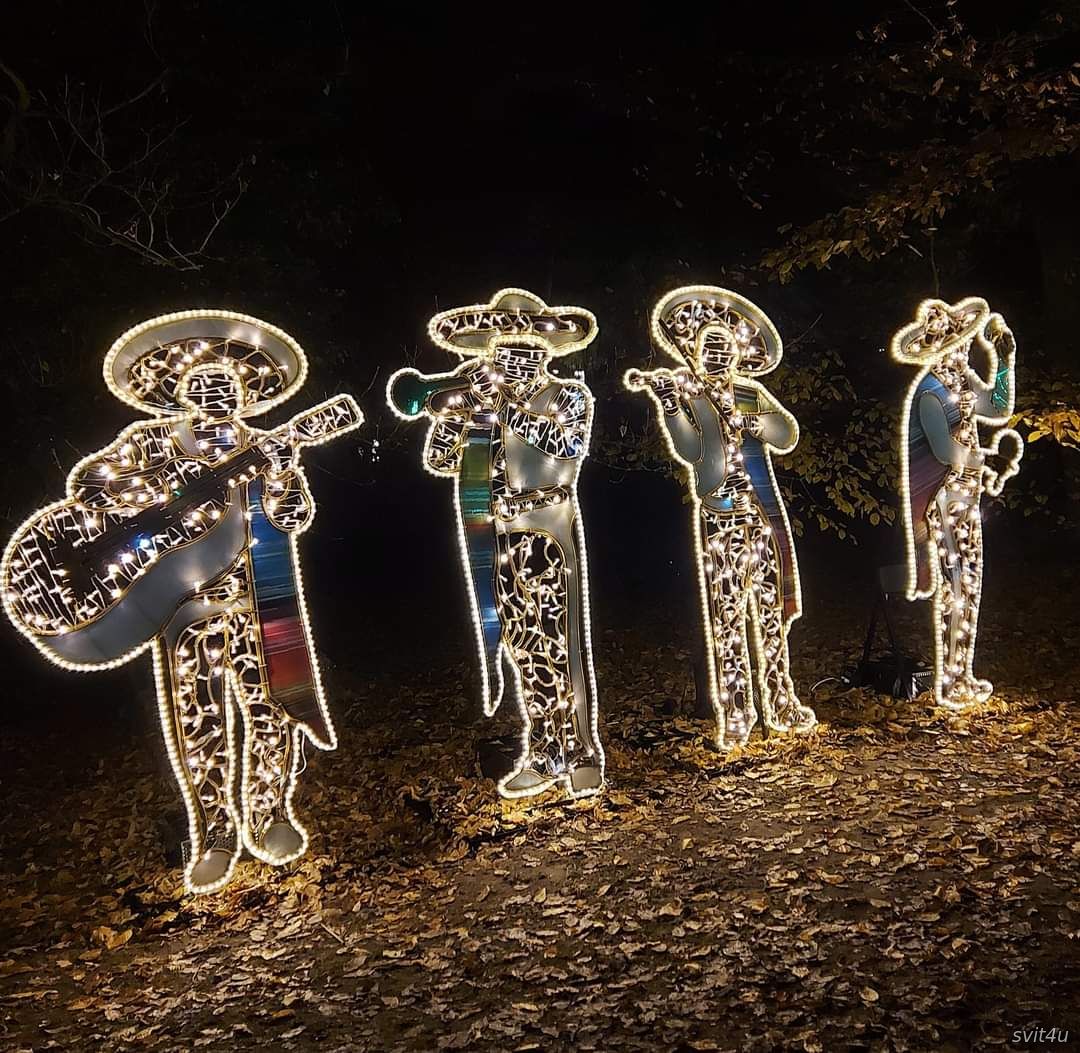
729	308
909	344
144	366
513	313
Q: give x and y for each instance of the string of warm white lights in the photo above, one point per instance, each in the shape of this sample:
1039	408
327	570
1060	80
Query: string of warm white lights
723	425
155	546
514	436
945	469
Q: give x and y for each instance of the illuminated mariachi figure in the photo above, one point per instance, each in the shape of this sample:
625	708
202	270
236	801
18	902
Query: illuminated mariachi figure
514	436
722	425
181	537
944	471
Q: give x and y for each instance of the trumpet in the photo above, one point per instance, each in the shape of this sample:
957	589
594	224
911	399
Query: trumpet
410	389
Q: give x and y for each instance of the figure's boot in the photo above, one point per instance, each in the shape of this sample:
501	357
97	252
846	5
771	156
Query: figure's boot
281	843
581	778
214	868
739	714
586	779
527	781
963	693
551	760
585	759
789	713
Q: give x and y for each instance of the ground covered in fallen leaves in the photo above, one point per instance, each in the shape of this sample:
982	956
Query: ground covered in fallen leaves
901	879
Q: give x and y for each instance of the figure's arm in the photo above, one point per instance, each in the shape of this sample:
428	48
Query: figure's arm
773	425
479	391
683	430
452	413
445	443
673	389
942	445
126	475
287	500
996	396
562	429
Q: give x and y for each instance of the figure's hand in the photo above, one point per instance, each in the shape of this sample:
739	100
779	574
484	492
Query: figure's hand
688	384
665	384
459	402
1001	336
281	454
485	380
1009	445
752	424
661	381
286	501
1003	460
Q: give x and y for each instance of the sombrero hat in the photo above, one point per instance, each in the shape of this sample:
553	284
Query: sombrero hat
145	365
513	313
680	316
938	328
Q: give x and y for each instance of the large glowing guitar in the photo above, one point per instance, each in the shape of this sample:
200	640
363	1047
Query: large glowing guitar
91	587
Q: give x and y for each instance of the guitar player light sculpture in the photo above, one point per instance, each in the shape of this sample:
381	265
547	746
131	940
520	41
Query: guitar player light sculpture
722	424
513	437
944	469
180	538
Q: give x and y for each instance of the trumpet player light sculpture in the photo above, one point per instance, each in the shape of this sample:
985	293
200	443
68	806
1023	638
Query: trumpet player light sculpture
723	425
513	437
945	469
180	538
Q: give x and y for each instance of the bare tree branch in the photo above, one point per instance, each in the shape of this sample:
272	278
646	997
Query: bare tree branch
120	170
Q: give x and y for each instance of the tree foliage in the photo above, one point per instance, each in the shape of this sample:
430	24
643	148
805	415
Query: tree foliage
115	168
927	126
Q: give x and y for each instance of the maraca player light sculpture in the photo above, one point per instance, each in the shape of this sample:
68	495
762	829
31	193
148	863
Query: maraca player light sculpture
513	436
722	424
945	468
181	537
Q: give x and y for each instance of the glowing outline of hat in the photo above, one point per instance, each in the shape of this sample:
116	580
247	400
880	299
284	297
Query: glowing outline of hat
209	324
476	341
904	337
774	345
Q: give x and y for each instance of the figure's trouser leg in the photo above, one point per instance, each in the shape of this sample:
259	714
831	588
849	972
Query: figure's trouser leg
956	527
532	594
727	551
199	728
270	747
780	705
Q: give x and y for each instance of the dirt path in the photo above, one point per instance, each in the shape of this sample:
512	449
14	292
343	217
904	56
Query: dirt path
900	880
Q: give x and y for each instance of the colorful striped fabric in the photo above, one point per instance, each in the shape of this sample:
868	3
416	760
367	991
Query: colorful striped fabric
285	645
474	499
756	463
926	473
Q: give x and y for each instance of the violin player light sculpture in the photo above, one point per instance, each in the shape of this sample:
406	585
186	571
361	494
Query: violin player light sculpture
722	424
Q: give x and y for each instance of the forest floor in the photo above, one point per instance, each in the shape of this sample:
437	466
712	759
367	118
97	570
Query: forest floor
900	879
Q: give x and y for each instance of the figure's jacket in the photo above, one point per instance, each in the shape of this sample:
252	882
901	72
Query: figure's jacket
701	443
518	472
245	523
